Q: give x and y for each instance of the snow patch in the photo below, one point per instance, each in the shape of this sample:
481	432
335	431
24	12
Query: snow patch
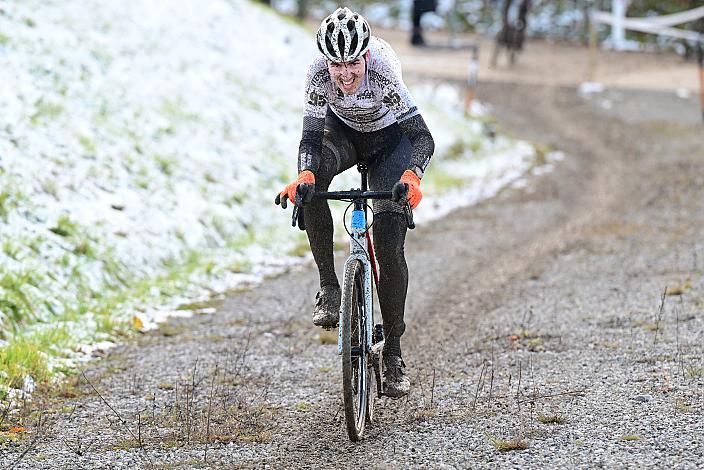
589	88
142	143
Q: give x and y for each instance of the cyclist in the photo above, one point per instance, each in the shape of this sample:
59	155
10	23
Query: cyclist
357	108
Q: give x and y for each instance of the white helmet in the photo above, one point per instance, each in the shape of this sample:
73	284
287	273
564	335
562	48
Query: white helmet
343	36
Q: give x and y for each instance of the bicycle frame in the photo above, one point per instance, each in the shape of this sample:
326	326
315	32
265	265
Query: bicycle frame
361	357
361	248
360	251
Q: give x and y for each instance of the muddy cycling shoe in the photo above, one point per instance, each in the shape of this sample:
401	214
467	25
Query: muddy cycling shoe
327	307
396	383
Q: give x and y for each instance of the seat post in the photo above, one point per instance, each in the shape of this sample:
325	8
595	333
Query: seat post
362	167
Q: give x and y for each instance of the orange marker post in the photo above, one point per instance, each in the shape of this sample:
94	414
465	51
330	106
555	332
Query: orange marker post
472	72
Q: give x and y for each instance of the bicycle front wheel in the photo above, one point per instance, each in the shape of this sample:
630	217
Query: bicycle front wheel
355	371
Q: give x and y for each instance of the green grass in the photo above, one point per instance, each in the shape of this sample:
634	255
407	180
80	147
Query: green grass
88	144
45	111
301	248
29	348
64	227
21	357
441	180
455	151
17	301
175	111
461	149
10	199
302	406
165	164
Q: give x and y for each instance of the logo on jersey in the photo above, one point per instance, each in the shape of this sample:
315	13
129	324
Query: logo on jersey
392	99
376	77
365	95
321	77
315	99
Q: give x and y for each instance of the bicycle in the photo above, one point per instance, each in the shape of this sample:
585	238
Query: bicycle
360	341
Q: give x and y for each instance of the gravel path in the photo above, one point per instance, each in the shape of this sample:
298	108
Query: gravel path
536	319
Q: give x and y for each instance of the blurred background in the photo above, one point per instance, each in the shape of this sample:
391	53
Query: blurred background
567	20
142	142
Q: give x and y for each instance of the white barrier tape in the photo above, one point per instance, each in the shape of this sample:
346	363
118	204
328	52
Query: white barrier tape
647	26
677	18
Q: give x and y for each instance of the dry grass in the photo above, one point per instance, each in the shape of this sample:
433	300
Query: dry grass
693	371
328	336
680	289
620	229
552	419
508	445
423	413
682	406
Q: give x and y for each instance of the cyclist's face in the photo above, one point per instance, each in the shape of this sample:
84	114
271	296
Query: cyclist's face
348	76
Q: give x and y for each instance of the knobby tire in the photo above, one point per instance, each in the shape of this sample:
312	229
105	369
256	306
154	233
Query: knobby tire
355	369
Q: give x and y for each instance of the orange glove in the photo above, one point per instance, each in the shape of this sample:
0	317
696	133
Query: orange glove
289	192
412	191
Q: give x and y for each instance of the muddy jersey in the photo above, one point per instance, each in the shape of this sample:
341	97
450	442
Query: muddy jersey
381	101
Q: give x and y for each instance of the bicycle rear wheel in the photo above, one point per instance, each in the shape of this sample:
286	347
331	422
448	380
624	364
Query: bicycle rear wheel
355	369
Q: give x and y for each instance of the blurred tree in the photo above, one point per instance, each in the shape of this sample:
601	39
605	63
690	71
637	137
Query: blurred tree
564	19
513	28
302	9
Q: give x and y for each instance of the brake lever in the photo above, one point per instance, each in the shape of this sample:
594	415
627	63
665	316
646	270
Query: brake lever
294	216
409	216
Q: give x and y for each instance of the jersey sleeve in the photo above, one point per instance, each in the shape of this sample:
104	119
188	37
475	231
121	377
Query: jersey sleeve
314	109
421	141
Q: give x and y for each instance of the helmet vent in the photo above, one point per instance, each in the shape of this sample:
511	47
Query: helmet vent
341	44
353	43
